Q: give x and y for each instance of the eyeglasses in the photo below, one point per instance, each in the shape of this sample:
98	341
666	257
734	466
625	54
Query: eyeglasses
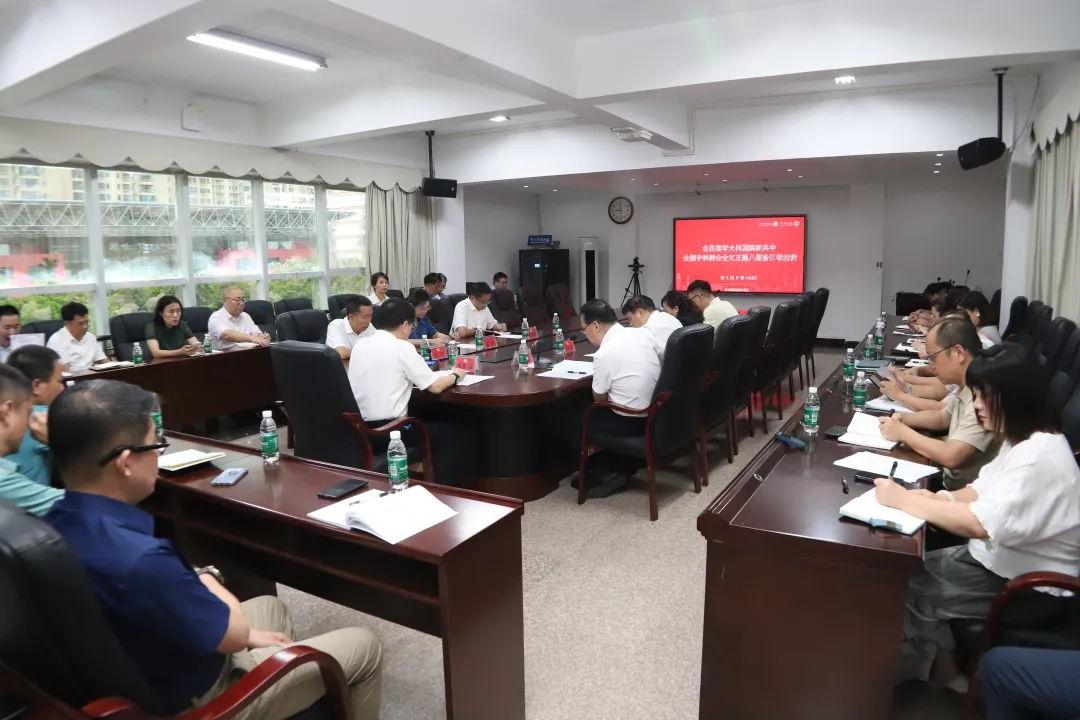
117	451
931	356
696	296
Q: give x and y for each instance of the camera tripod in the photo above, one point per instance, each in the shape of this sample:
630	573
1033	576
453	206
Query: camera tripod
634	286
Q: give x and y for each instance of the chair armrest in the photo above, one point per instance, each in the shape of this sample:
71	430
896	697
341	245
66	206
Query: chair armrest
362	429
648	413
1027	581
241	693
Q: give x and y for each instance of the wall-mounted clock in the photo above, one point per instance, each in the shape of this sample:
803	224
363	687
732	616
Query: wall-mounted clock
620	210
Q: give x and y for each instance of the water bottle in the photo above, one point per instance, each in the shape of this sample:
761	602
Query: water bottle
858	395
478	339
425	349
397	462
451	353
560	343
207	344
523	355
268	439
848	368
868	350
879	337
525	328
159	427
555	322
811	411
136	354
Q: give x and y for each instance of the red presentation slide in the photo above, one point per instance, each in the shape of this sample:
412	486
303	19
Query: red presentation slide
741	254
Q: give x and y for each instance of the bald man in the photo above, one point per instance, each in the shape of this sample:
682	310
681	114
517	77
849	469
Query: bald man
230	325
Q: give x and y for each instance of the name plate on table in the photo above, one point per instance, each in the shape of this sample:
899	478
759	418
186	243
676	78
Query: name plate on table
533	332
540	240
568	347
439	352
468	364
491	342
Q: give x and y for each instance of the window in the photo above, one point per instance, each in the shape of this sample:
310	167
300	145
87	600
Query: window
120	302
296	288
290	228
222	229
348	238
209	294
357	284
139	235
46	307
43	232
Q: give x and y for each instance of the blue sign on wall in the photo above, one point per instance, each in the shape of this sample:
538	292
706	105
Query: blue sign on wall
539	241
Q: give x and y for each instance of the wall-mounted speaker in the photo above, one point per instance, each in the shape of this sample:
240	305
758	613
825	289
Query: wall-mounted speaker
439	187
980	152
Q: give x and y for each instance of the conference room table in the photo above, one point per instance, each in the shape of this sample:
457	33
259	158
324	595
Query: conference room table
460	580
803	609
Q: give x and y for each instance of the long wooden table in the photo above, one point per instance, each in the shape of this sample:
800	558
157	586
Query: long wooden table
460	580
803	609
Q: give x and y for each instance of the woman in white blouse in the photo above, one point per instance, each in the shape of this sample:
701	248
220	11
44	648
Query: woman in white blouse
380	283
1022	514
977	308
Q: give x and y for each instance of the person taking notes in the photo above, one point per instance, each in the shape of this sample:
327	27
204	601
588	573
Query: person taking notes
473	312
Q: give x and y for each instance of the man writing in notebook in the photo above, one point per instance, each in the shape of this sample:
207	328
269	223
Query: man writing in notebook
951	345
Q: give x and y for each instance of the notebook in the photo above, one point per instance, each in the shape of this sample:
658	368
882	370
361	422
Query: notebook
880	465
186	458
392	517
112	365
867	509
863	430
884	404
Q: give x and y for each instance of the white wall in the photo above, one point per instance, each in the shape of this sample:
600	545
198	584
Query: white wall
496	226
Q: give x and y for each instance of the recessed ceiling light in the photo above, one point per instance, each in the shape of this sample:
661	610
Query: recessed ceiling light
554	189
706	174
656	184
937	172
499	118
258	49
524	186
937	164
633	179
844	79
940	155
800	177
789	169
724	180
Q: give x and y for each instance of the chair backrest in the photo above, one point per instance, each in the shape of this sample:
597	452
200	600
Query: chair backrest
794	345
560	301
452	301
729	355
822	303
289	304
1032	318
128	329
1066	377
761	315
687	358
440	315
995	309
197	318
1017	316
1057	337
262	314
808	322
395	293
335	304
316	390
1070	420
47	327
533	305
774	358
53	631
303	325
909	302
504	307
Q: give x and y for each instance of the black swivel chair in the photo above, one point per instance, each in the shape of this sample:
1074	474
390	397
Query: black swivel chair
1064	380
504	308
262	314
289	304
440	315
46	327
748	375
995	309
1070	422
793	347
820	301
128	329
730	351
452	301
773	366
1017	316
1050	349
533	305
303	325
672	419
335	304
395	293
55	640
197	318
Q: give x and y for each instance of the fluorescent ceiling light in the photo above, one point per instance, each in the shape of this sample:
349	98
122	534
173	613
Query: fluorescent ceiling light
789	169
724	180
633	179
656	184
499	118
941	155
800	177
554	189
844	79
524	186
937	172
259	49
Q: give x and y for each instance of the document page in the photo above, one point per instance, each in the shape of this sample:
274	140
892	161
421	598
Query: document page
866	508
863	430
875	464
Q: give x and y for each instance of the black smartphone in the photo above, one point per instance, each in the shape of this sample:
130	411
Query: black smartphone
343	488
835	432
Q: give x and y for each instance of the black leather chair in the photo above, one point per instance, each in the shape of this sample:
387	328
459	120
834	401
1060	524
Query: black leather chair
303	325
995	309
1017	316
533	305
672	419
773	366
760	314
262	314
197	318
793	347
909	302
1070	422
807	313
1050	349
559	300
128	329
440	315
289	304
395	293
452	301
1063	381
820	302
1033	320
323	416
731	348
335	304
504	308
55	640
46	327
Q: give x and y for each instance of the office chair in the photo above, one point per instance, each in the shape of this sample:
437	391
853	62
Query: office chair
128	329
303	325
335	304
533	305
1056	337
820	301
262	314
289	304
773	365
730	350
748	376
504	308
198	320
1063	381
440	315
46	327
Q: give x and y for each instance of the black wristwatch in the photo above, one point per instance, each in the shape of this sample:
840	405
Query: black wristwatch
212	572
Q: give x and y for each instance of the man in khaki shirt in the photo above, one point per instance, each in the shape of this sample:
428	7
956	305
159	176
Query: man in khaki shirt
950	347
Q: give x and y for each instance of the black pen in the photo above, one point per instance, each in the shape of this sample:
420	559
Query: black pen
892	472
844	484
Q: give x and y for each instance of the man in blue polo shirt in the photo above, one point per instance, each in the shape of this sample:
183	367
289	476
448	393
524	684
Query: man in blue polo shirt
190	637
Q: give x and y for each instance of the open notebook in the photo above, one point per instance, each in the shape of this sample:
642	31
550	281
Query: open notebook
867	509
392	517
863	430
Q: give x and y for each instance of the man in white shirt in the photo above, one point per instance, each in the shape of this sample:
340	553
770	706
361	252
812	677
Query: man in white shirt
9	325
473	312
230	325
383	376
626	366
641	311
713	308
74	343
342	334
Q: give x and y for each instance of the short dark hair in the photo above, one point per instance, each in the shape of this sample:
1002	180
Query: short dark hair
699	286
638	302
1015	388
935	287
6	310
375	278
431	278
499	276
419	296
14	385
952	299
974	301
597	310
479	289
392	313
91	418
163	302
957	331
72	310
34	361
353	303
680	301
442	278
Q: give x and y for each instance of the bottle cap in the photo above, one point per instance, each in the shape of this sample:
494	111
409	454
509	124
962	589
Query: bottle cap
268	414
395	434
813	390
861	374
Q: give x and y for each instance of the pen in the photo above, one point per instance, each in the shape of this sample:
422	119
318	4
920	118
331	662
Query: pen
365	498
844	484
892	471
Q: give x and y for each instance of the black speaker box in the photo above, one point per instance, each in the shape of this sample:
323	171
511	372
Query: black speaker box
980	152
439	187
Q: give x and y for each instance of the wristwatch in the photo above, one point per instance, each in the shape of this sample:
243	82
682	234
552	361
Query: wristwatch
212	572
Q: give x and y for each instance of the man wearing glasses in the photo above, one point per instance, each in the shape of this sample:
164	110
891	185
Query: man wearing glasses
230	325
15	405
713	308
188	634
473	313
74	343
951	345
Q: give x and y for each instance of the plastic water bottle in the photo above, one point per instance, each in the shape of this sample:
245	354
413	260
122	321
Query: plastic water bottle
848	368
207	344
525	328
159	426
451	353
869	351
560	342
858	395
397	462
879	337
425	348
555	322
478	339
268	439
522	356
136	354
811	411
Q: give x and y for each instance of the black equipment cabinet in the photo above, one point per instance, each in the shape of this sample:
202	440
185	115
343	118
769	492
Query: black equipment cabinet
541	268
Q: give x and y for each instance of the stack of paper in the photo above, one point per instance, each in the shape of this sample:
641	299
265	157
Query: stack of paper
884	404
863	430
112	365
916	362
510	335
392	517
569	370
467	380
906	349
880	465
186	458
867	509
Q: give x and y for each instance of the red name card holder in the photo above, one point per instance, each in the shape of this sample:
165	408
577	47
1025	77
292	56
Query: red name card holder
491	342
568	347
533	334
468	364
438	352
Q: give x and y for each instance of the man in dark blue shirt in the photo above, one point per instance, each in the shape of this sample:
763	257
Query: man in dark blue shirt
188	635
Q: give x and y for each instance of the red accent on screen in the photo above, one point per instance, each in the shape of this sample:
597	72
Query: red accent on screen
741	254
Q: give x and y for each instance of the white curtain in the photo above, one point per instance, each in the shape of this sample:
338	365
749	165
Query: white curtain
1054	258
400	238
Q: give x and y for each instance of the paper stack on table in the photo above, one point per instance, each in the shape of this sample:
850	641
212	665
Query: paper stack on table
569	370
186	458
867	509
884	404
467	380
392	517
875	464
863	430
112	365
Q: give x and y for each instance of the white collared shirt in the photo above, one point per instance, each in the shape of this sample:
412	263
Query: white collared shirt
4	352
466	315
221	321
376	302
78	354
661	325
339	333
626	366
718	311
1029	504
382	377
